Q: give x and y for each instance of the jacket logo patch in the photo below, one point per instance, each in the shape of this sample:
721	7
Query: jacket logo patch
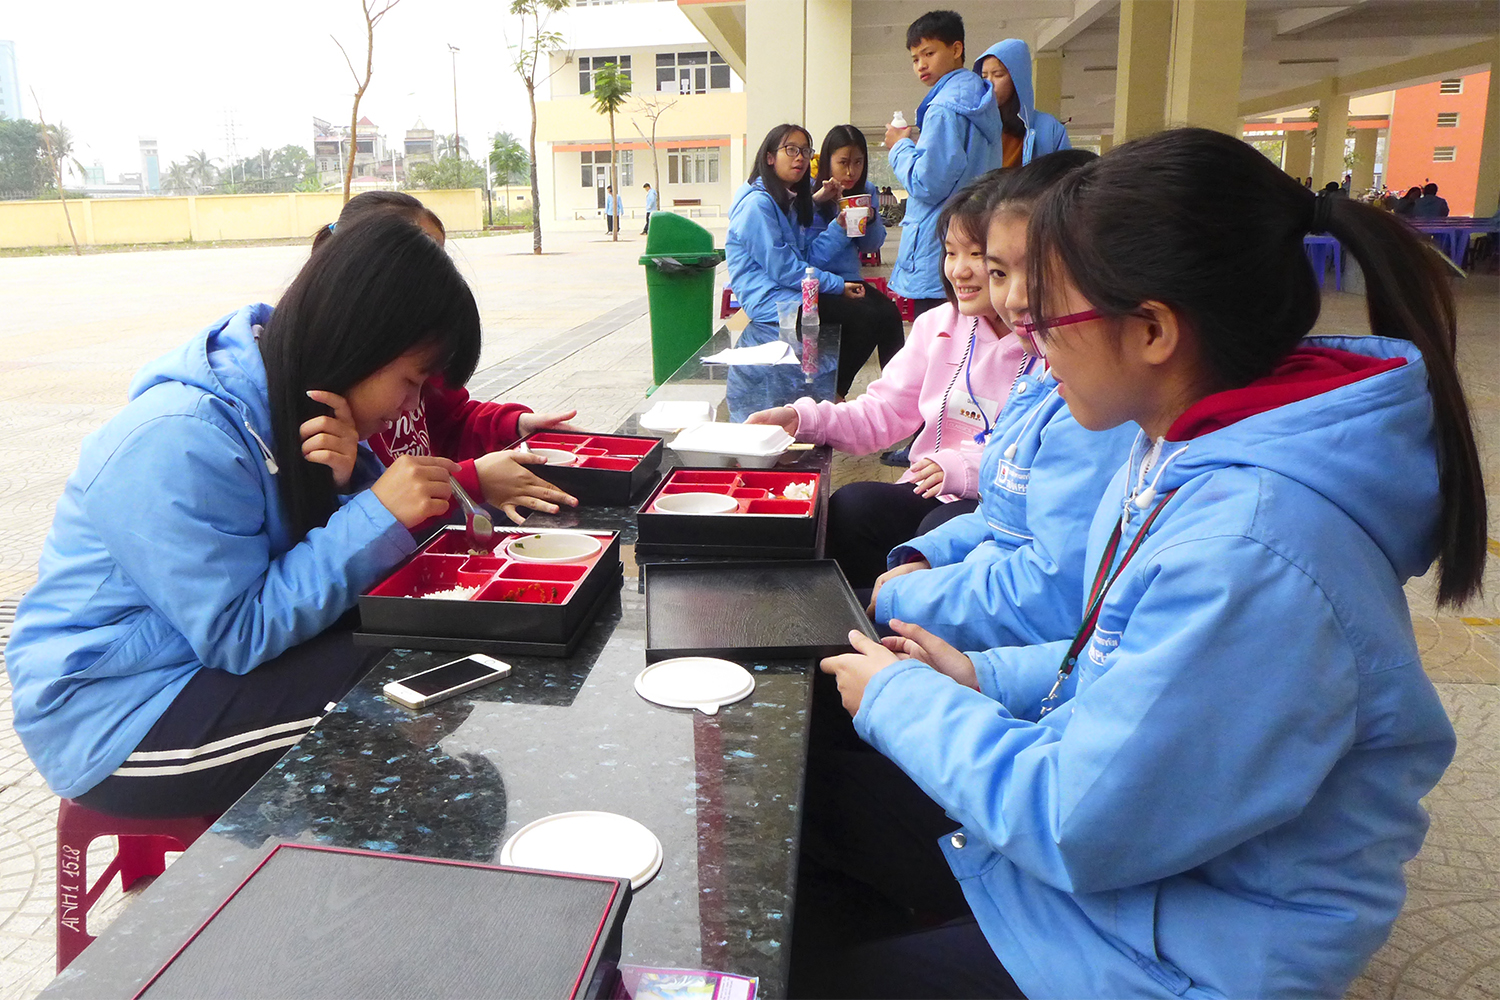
1104	642
1012	478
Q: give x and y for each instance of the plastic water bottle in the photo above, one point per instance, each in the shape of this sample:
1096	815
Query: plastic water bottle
898	120
810	322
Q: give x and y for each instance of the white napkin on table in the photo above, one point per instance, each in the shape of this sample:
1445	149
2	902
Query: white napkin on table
776	352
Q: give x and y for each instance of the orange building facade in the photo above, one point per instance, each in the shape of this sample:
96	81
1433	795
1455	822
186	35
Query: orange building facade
1436	136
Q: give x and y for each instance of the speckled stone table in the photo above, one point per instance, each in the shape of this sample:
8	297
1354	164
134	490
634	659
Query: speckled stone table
722	793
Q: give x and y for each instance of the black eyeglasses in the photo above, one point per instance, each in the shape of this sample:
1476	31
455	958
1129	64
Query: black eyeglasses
795	151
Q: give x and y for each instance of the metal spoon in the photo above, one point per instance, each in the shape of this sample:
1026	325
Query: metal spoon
481	528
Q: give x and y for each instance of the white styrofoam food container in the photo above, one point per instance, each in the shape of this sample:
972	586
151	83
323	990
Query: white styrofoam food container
754	446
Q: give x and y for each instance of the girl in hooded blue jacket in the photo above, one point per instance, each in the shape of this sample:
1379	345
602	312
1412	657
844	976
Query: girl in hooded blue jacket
1211	789
773	239
1026	133
179	638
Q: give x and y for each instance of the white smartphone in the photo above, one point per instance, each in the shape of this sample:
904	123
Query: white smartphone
432	686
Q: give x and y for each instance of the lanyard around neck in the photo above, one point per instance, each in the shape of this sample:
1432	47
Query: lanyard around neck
1103	580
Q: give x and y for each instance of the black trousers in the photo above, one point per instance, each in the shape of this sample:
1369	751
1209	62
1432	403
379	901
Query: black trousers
879	913
870	324
609	223
867	520
224	731
919	306
646	228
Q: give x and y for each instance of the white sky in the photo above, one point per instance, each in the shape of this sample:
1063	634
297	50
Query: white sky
114	72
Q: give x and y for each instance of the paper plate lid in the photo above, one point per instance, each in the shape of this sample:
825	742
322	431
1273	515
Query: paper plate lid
756	440
674	414
700	682
586	843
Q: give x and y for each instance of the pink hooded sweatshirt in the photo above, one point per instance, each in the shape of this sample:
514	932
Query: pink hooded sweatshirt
950	379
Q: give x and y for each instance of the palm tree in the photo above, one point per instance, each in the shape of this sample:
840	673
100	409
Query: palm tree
611	87
508	160
201	170
177	180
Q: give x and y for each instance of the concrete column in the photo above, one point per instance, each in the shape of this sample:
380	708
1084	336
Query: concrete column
1487	191
1046	78
1106	143
1297	158
829	44
738	167
1364	160
1141	77
1208	41
776	68
1333	124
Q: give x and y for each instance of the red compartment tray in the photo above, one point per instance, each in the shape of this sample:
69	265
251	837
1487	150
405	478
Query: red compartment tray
493	598
611	468
764	523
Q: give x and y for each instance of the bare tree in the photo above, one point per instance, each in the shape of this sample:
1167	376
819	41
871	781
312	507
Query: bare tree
652	108
56	171
529	54
373	10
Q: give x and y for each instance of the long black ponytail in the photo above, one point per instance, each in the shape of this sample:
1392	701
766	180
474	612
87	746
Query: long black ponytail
373	290
1202	222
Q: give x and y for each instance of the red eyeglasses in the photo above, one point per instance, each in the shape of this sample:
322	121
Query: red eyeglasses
1028	329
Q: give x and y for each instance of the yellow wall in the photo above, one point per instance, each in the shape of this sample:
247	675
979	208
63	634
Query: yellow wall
204	218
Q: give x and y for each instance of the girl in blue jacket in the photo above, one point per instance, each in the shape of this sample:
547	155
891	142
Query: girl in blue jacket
1211	789
1011	573
1026	132
772	241
179	638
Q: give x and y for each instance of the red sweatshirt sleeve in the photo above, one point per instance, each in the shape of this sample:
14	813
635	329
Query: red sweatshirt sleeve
464	428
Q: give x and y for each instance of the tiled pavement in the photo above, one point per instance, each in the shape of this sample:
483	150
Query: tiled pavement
568	330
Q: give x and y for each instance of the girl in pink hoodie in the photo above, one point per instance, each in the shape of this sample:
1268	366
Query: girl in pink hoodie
949	380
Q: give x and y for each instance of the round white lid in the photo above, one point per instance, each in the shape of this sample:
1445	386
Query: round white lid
586	843
700	682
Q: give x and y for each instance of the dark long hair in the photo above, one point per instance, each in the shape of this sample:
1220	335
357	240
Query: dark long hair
374	290
799	194
396	203
837	138
1202	222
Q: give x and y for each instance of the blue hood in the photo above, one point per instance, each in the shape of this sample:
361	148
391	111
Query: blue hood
968	95
1369	448
1016	56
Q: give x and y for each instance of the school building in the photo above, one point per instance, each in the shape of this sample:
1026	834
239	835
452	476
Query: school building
682	130
1116	69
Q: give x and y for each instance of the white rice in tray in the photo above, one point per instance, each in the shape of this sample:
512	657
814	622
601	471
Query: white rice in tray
453	594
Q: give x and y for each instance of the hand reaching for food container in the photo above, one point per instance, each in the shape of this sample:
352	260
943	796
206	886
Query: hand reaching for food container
509	485
530	423
784	417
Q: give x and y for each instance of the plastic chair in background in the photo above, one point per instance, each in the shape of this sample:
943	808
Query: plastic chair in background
1319	249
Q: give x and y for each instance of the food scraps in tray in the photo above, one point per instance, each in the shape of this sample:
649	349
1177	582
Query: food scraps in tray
541	592
798	491
452	594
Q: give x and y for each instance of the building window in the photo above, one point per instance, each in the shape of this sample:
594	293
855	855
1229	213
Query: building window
1447	119
693	165
1451	87
1444	154
589	65
691	72
594	168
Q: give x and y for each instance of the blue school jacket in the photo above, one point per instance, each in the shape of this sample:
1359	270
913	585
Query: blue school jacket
958	141
1011	572
1044	133
844	259
768	253
1222	805
168	555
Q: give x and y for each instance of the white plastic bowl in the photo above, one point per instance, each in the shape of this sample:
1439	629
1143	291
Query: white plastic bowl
555	456
696	503
754	446
553	547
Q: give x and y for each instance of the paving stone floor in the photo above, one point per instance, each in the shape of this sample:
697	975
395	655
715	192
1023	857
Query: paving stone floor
565	330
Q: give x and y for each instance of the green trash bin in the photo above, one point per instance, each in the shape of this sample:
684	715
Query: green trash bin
680	260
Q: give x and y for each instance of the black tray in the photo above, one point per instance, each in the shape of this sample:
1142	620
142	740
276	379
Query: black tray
460	644
757	536
600	487
750	610
332	922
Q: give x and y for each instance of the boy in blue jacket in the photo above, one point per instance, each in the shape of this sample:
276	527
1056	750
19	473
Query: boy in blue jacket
958	139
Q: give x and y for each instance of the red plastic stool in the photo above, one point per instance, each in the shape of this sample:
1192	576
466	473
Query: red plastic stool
906	307
728	306
144	844
880	285
871	259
